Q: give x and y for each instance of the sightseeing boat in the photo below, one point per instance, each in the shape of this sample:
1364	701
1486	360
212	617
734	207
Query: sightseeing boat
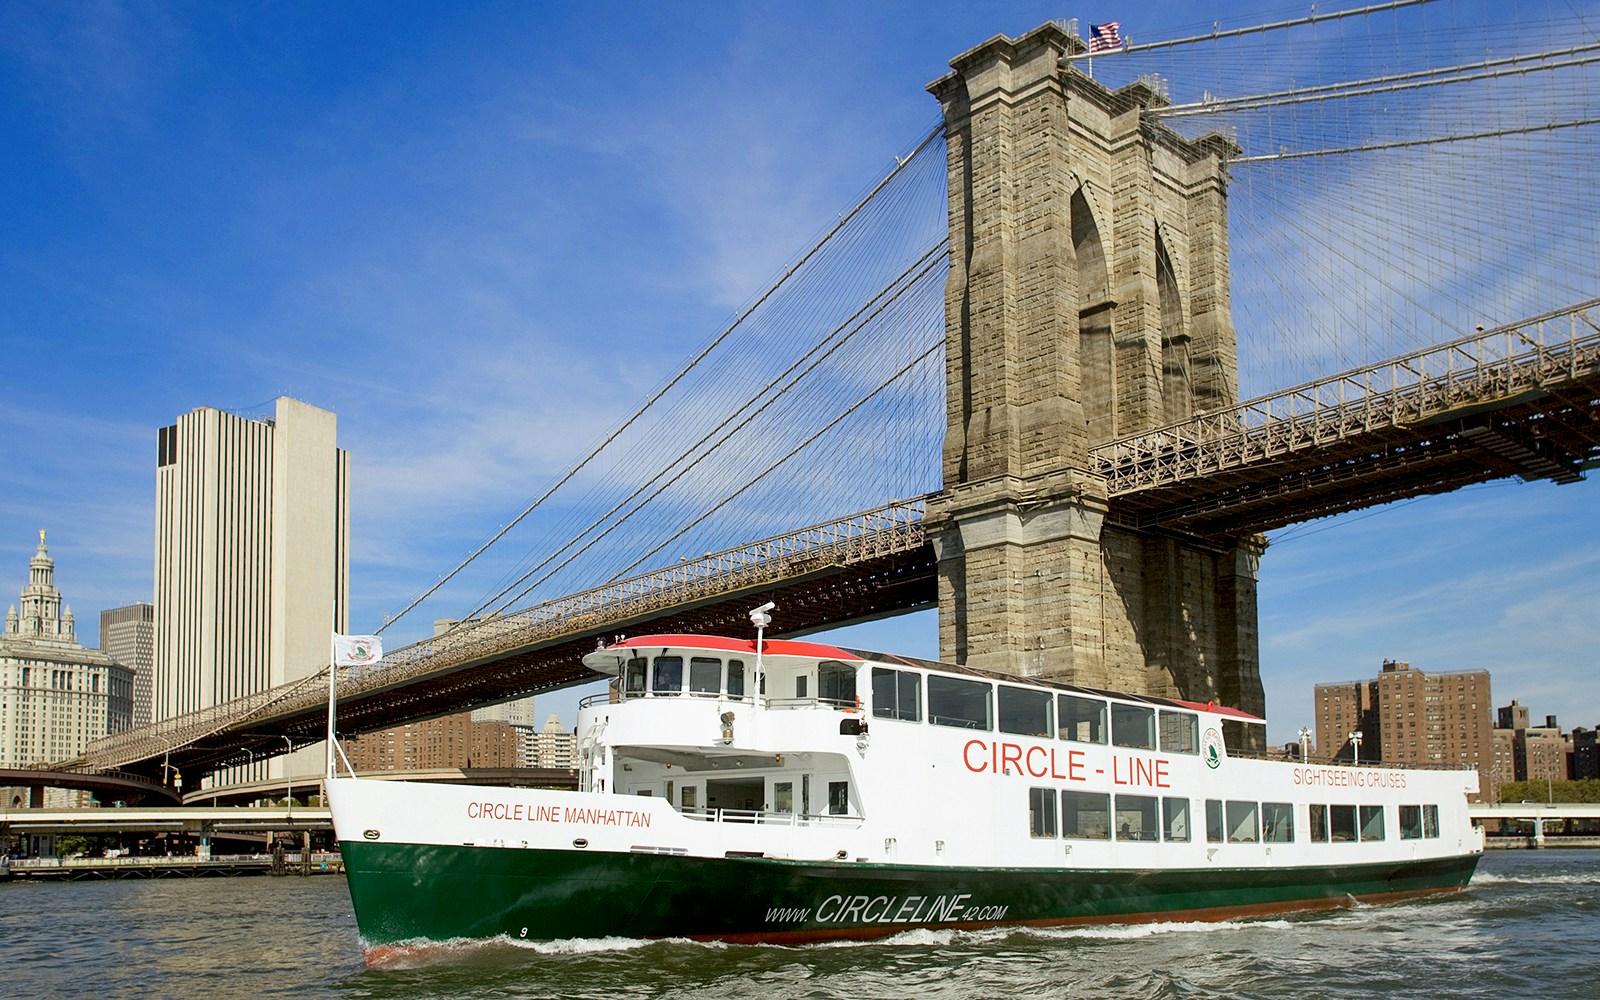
790	791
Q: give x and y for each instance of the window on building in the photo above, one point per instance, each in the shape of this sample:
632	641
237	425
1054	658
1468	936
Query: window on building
1025	711
1083	720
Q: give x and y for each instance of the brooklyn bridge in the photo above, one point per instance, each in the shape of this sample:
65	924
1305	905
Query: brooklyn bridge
1112	319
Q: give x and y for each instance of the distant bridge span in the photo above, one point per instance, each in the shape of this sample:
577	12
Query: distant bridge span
1522	400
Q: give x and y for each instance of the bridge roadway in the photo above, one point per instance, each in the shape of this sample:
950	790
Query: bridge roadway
1520	400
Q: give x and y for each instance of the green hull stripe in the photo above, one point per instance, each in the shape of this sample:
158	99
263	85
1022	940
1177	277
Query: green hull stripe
407	892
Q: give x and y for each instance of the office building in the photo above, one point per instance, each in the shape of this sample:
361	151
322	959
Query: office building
127	635
251	559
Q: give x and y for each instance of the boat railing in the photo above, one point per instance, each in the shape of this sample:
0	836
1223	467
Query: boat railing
767	817
1283	756
614	697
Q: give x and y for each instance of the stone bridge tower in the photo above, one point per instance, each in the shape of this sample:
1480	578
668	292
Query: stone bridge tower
1087	300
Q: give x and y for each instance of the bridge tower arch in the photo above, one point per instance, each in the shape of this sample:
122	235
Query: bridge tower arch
1087	300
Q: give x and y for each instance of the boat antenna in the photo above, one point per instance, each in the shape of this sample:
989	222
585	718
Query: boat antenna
760	619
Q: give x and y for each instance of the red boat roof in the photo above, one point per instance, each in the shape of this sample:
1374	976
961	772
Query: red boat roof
769	647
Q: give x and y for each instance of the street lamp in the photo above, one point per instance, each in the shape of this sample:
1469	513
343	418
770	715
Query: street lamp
1355	747
288	775
1305	744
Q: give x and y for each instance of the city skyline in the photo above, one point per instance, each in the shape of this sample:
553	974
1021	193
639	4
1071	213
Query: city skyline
480	237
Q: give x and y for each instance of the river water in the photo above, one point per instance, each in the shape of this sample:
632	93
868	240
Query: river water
1529	925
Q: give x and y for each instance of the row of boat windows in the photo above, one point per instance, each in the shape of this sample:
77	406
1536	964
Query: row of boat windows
973	704
1101	816
957	702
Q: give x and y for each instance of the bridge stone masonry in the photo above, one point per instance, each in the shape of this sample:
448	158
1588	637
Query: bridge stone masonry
1087	300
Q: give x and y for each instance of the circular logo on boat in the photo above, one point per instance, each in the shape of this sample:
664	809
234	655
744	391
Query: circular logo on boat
1211	748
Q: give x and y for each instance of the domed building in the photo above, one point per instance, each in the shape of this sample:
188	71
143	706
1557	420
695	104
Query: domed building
56	696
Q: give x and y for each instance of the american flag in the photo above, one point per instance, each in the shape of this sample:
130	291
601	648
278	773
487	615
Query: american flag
1105	36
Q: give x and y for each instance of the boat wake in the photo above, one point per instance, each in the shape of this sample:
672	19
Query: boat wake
924	937
416	954
1577	878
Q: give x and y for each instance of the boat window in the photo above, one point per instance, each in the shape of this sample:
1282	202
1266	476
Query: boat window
1042	812
1242	826
1214	821
838	798
1430	821
688	797
1137	818
1341	823
805	795
736	678
1086	815
1277	822
896	694
633	677
705	675
1180	732
1319	823
667	677
1410	822
783	797
1083	720
964	704
1175	819
1133	726
1372	823
836	682
1025	711
800	686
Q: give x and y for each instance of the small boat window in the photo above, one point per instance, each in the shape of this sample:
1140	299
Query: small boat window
838	798
1410	822
1083	720
1041	812
1175	819
1025	711
958	702
836	682
1342	823
1242	825
1430	821
705	675
1277	822
1137	818
667	677
896	694
1086	815
1214	821
736	678
1319	823
1133	726
689	797
1372	823
633	676
1180	732
783	797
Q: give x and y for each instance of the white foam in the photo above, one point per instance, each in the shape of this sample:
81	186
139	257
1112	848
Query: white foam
1489	878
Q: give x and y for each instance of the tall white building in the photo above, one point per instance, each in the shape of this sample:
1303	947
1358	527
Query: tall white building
252	554
56	697
554	746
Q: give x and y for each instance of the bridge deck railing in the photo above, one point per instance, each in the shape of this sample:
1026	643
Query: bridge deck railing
892	528
1497	364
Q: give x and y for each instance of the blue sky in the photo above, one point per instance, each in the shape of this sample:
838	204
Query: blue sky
480	233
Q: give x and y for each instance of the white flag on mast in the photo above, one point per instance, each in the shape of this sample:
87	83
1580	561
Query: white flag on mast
356	650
